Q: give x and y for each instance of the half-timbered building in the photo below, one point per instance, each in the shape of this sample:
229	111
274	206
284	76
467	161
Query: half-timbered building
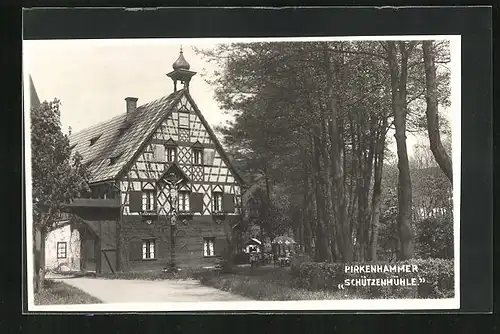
163	190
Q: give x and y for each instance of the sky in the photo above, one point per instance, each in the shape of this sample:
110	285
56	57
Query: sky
92	78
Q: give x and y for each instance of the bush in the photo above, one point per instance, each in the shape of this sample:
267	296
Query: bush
241	258
259	288
297	260
437	273
434	238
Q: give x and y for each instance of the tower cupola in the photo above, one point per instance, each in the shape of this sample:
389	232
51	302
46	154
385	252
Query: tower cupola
181	72
181	63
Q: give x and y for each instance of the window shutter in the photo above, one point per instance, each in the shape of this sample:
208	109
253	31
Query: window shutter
135	201
220	245
208	157
159	153
196	202
228	203
157	248
135	250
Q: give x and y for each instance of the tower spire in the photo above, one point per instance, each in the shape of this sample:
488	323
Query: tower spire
181	71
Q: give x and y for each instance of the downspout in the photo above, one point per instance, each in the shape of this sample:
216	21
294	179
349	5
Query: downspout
118	228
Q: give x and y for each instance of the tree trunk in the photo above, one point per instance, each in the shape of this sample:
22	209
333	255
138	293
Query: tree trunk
269	220
442	158
329	211
306	236
36	263
344	231
364	175
227	255
377	191
40	271
398	85
322	238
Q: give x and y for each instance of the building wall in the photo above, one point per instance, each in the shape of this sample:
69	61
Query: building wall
151	163
147	169
188	248
72	239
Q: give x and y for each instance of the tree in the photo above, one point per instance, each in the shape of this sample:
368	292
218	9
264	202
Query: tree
399	79
57	175
437	148
307	116
312	119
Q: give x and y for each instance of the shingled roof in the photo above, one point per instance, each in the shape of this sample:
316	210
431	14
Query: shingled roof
34	100
107	147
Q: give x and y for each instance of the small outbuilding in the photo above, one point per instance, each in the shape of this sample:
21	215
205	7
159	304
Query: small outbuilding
252	246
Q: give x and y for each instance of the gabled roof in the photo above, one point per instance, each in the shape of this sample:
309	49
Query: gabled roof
112	141
125	139
34	100
253	241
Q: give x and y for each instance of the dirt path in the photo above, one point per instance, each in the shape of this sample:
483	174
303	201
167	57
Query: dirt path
122	291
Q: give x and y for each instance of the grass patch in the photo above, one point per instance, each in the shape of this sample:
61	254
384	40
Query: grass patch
61	293
267	283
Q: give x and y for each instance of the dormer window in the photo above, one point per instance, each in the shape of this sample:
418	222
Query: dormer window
222	203
184	119
217	192
148	200
183	201
114	158
171	154
217	202
171	150
197	156
197	149
143	201
94	140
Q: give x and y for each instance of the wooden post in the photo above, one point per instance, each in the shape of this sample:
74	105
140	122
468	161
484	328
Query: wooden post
118	230
83	253
97	253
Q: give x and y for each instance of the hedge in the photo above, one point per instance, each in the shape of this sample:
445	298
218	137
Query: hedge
437	275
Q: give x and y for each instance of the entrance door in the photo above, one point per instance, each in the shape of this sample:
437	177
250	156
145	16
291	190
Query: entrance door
88	255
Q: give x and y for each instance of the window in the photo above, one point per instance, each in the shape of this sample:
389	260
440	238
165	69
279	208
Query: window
114	158
148	200
208	246
184	120
94	140
197	156
183	201
217	202
148	249
171	154
61	250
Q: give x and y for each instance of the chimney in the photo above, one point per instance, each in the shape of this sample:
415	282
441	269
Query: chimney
131	105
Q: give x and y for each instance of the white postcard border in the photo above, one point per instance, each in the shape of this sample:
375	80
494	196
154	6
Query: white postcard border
319	305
